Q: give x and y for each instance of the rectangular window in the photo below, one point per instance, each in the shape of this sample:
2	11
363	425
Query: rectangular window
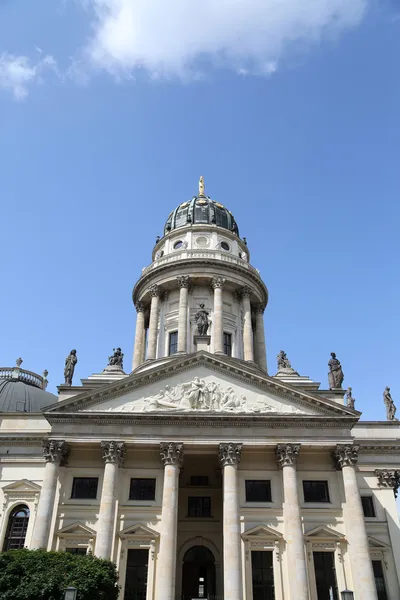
136	575
379	580
325	575
228	344
199	506
316	491
79	551
142	489
258	490
368	506
85	488
262	575
199	480
173	343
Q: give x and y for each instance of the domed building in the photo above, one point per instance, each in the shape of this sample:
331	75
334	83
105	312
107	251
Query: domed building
202	473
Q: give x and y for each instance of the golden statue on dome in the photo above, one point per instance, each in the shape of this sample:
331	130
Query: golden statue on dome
201	186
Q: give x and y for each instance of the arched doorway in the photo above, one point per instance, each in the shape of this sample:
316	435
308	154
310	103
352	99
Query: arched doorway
198	574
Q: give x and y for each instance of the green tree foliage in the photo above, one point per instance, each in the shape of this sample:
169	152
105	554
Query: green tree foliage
40	575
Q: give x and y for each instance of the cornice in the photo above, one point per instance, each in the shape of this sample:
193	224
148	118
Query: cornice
182	364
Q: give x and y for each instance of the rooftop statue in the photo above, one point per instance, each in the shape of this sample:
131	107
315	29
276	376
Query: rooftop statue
201	186
335	375
390	406
116	359
69	369
283	361
349	398
202	321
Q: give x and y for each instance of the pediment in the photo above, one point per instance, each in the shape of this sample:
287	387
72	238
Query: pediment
261	532
201	384
76	529
323	532
22	486
139	531
377	544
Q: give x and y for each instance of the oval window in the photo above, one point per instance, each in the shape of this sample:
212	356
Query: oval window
225	246
202	241
178	244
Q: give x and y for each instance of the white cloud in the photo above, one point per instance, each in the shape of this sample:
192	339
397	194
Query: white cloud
171	37
17	73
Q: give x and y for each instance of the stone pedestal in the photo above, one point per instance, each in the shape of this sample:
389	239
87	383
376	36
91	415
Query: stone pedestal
286	455
202	342
229	456
55	453
113	455
346	458
172	457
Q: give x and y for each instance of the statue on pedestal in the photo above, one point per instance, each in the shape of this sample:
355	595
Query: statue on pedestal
283	361
69	369
335	375
202	321
390	406
350	401
116	359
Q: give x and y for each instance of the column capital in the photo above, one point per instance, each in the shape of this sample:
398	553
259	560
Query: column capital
229	454
389	478
113	452
171	453
217	282
139	306
183	281
246	291
55	451
154	290
346	455
259	309
287	454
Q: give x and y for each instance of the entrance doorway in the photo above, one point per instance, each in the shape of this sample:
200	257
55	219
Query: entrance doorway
198	574
325	576
136	575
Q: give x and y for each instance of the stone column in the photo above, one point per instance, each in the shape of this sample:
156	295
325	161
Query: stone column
286	456
155	292
390	478
229	456
217	284
346	458
172	457
183	284
139	336
260	338
55	453
247	328
113	455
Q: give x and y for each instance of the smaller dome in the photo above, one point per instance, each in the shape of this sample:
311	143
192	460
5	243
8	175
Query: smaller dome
23	391
200	210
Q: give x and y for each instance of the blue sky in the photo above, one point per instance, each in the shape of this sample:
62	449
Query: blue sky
110	110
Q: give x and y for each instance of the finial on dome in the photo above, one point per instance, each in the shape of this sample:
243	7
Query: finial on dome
19	362
201	186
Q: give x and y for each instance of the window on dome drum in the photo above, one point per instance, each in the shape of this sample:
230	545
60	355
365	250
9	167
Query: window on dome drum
78	551
316	491
379	580
178	244
85	488
199	480
225	246
173	343
368	506
16	529
258	490
228	344
199	506
142	489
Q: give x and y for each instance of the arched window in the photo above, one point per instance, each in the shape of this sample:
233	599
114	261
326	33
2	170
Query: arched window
16	529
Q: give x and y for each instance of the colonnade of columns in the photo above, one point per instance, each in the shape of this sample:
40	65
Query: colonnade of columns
345	456
253	342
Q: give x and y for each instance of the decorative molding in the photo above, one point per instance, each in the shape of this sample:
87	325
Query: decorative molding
346	455
287	454
246	291
171	453
183	281
113	452
55	451
217	282
389	478
154	290
229	454
259	309
139	306
21	491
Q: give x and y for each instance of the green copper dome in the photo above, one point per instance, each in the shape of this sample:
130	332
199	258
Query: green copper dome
201	210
